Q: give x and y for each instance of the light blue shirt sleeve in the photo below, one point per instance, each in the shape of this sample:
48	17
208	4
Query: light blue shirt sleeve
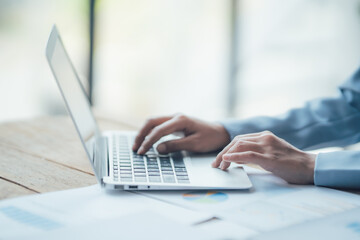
320	123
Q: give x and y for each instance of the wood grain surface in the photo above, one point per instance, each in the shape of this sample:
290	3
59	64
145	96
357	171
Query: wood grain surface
45	154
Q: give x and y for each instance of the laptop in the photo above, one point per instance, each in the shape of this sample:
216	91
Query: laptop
114	163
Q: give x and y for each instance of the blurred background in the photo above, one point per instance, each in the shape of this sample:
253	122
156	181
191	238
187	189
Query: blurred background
212	59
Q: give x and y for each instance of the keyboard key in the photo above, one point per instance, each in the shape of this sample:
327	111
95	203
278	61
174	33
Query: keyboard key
140	179
126	175
177	156
126	179
182	177
154	173
139	165
124	156
154	179
183	181
127	168
152	166
168	179
166	169
152	155
139	162
176	165
166	165
140	175
152	163
124	162
153	170
167	173
180	169
181	174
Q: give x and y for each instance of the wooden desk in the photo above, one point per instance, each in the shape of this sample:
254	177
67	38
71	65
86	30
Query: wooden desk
45	154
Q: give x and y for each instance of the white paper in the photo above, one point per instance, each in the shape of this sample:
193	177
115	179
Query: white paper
272	204
294	207
345	225
215	202
220	229
145	225
48	212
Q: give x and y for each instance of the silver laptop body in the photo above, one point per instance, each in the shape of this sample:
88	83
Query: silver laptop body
110	154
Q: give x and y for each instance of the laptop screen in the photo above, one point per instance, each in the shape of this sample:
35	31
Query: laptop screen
72	91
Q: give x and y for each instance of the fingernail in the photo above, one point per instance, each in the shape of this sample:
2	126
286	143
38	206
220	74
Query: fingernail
140	150
161	148
222	165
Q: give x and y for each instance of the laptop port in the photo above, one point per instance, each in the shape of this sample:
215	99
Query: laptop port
133	187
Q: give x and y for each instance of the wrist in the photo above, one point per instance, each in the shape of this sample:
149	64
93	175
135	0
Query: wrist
310	167
223	134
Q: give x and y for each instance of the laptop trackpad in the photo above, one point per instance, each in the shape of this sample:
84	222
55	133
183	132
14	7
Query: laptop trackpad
203	173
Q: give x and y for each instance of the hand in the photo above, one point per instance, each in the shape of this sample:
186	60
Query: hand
200	136
271	153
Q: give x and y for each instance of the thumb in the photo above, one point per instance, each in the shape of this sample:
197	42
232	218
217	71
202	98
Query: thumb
175	145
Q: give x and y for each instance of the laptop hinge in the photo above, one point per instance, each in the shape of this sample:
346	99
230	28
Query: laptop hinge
101	159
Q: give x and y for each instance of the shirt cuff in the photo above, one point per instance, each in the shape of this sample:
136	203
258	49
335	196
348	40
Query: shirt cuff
339	169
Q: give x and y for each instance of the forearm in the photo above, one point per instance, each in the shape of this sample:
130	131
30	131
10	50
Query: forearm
320	123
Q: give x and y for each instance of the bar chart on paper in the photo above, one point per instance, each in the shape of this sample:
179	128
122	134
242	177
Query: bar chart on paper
210	197
27	218
22	222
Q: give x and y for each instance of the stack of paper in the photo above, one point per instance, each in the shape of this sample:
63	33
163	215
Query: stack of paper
92	212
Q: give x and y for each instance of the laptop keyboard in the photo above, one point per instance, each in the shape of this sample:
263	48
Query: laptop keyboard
151	167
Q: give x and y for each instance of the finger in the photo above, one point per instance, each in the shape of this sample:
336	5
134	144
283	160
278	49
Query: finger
247	137
241	146
249	144
253	135
158	132
185	143
225	165
245	157
218	158
144	131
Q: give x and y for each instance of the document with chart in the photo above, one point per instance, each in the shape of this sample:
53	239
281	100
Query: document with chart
273	204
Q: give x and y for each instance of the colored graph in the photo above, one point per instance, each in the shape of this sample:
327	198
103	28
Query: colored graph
28	218
205	197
